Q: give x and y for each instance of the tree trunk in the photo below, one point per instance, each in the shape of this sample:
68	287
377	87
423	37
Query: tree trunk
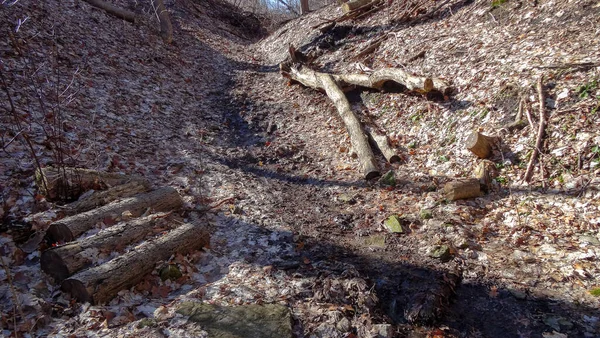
66	229
382	143
113	10
63	261
304	7
98	285
68	183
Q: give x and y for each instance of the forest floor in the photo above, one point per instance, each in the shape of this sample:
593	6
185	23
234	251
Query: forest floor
211	115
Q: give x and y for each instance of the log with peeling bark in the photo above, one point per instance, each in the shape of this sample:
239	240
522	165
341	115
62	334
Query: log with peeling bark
68	228
99	284
99	198
68	183
379	77
428	305
111	9
462	189
63	261
479	144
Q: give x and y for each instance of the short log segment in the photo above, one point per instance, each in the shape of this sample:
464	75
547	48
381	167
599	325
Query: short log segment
98	285
462	189
480	144
66	229
66	183
113	10
63	261
360	144
354	4
382	143
428	306
103	197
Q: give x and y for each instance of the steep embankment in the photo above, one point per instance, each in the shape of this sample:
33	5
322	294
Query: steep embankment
211	115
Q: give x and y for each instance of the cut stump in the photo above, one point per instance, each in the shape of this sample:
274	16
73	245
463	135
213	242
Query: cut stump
480	144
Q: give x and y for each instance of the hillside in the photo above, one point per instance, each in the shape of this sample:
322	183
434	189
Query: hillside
268	166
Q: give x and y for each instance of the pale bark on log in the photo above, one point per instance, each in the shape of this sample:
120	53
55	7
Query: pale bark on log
65	183
379	77
480	144
486	172
360	144
66	229
382	143
63	261
102	197
113	10
354	4
462	189
98	285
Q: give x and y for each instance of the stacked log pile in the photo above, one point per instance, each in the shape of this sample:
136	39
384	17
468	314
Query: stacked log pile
134	217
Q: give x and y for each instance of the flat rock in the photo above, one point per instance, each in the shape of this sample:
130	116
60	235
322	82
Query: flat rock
258	321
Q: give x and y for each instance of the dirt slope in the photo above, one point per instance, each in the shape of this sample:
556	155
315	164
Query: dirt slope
211	115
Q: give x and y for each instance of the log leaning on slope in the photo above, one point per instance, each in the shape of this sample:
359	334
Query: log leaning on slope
63	261
66	229
98	285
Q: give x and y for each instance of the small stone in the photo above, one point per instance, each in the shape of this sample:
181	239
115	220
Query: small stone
393	224
375	241
426	214
442	252
383	330
388	179
171	272
518	294
591	240
344	325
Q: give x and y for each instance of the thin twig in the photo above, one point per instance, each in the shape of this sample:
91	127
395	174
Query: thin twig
540	134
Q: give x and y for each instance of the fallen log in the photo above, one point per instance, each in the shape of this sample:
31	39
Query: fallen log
354	4
428	305
100	198
113	10
98	285
69	183
360	144
379	77
63	261
66	229
462	189
383	145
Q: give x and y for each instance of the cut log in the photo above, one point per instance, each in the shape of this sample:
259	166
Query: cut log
486	172
66	229
382	143
68	183
427	306
462	189
480	144
63	261
113	10
98	285
100	198
354	4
